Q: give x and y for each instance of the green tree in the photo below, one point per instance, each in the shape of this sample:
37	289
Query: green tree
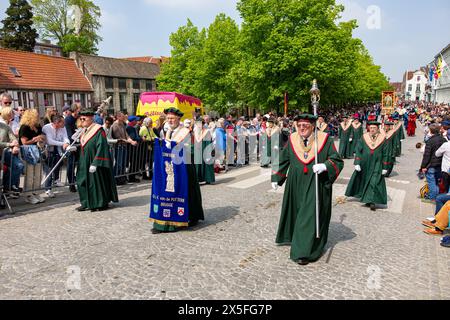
18	32
202	62
215	85
180	73
69	22
288	43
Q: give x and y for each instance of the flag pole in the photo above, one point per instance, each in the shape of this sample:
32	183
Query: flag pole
315	98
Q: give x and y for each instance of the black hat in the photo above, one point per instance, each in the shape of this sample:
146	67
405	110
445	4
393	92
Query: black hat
308	117
174	110
389	123
88	112
374	123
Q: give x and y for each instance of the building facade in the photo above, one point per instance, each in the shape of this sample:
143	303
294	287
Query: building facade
123	80
414	86
47	48
38	80
441	87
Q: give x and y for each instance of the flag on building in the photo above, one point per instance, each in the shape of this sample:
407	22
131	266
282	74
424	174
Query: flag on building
439	68
431	74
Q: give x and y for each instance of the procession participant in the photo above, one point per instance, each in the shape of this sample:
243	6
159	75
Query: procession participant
345	132
176	137
411	128
357	133
297	225
272	130
204	161
390	143
95	180
399	135
367	182
321	124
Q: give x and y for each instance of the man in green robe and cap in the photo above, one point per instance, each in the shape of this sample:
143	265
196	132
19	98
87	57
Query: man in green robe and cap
371	165
297	225
179	134
345	138
390	143
95	181
399	136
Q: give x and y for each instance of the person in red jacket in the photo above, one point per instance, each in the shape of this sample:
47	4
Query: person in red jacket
412	118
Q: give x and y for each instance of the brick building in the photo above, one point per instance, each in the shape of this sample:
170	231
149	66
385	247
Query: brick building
123	80
38	80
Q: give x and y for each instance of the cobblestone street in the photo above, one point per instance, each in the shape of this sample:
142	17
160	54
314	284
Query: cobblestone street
231	255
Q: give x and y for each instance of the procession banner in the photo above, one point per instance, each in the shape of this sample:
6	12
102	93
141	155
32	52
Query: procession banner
169	199
387	103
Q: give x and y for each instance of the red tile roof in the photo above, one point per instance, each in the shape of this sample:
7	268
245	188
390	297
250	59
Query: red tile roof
150	59
41	72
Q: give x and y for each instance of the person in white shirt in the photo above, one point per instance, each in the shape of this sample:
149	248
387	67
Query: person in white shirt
57	144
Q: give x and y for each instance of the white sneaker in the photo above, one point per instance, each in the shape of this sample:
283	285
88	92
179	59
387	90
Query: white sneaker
59	184
32	199
50	194
39	198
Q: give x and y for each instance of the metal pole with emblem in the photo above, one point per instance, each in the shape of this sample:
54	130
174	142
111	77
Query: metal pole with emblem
315	98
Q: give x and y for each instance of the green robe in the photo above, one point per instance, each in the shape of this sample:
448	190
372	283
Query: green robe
369	185
194	193
390	143
344	141
266	150
357	133
205	171
97	189
297	225
268	144
400	135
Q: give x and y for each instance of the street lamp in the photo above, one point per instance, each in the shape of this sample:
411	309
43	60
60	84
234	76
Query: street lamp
315	99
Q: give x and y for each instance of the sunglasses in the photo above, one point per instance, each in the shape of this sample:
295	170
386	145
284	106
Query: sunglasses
7	103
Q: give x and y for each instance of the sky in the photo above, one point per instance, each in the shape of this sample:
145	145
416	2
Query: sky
399	34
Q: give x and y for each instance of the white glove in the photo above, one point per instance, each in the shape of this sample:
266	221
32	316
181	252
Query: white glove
384	172
358	168
319	168
168	144
275	186
276	148
71	149
350	140
92	169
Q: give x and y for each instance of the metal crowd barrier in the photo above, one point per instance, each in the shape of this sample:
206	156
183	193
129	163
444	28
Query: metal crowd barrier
128	161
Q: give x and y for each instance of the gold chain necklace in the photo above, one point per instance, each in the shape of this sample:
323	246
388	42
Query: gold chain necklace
374	140
306	149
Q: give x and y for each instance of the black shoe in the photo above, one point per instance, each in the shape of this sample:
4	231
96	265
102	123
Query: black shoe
193	223
81	209
373	207
73	189
156	231
121	182
105	208
303	261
